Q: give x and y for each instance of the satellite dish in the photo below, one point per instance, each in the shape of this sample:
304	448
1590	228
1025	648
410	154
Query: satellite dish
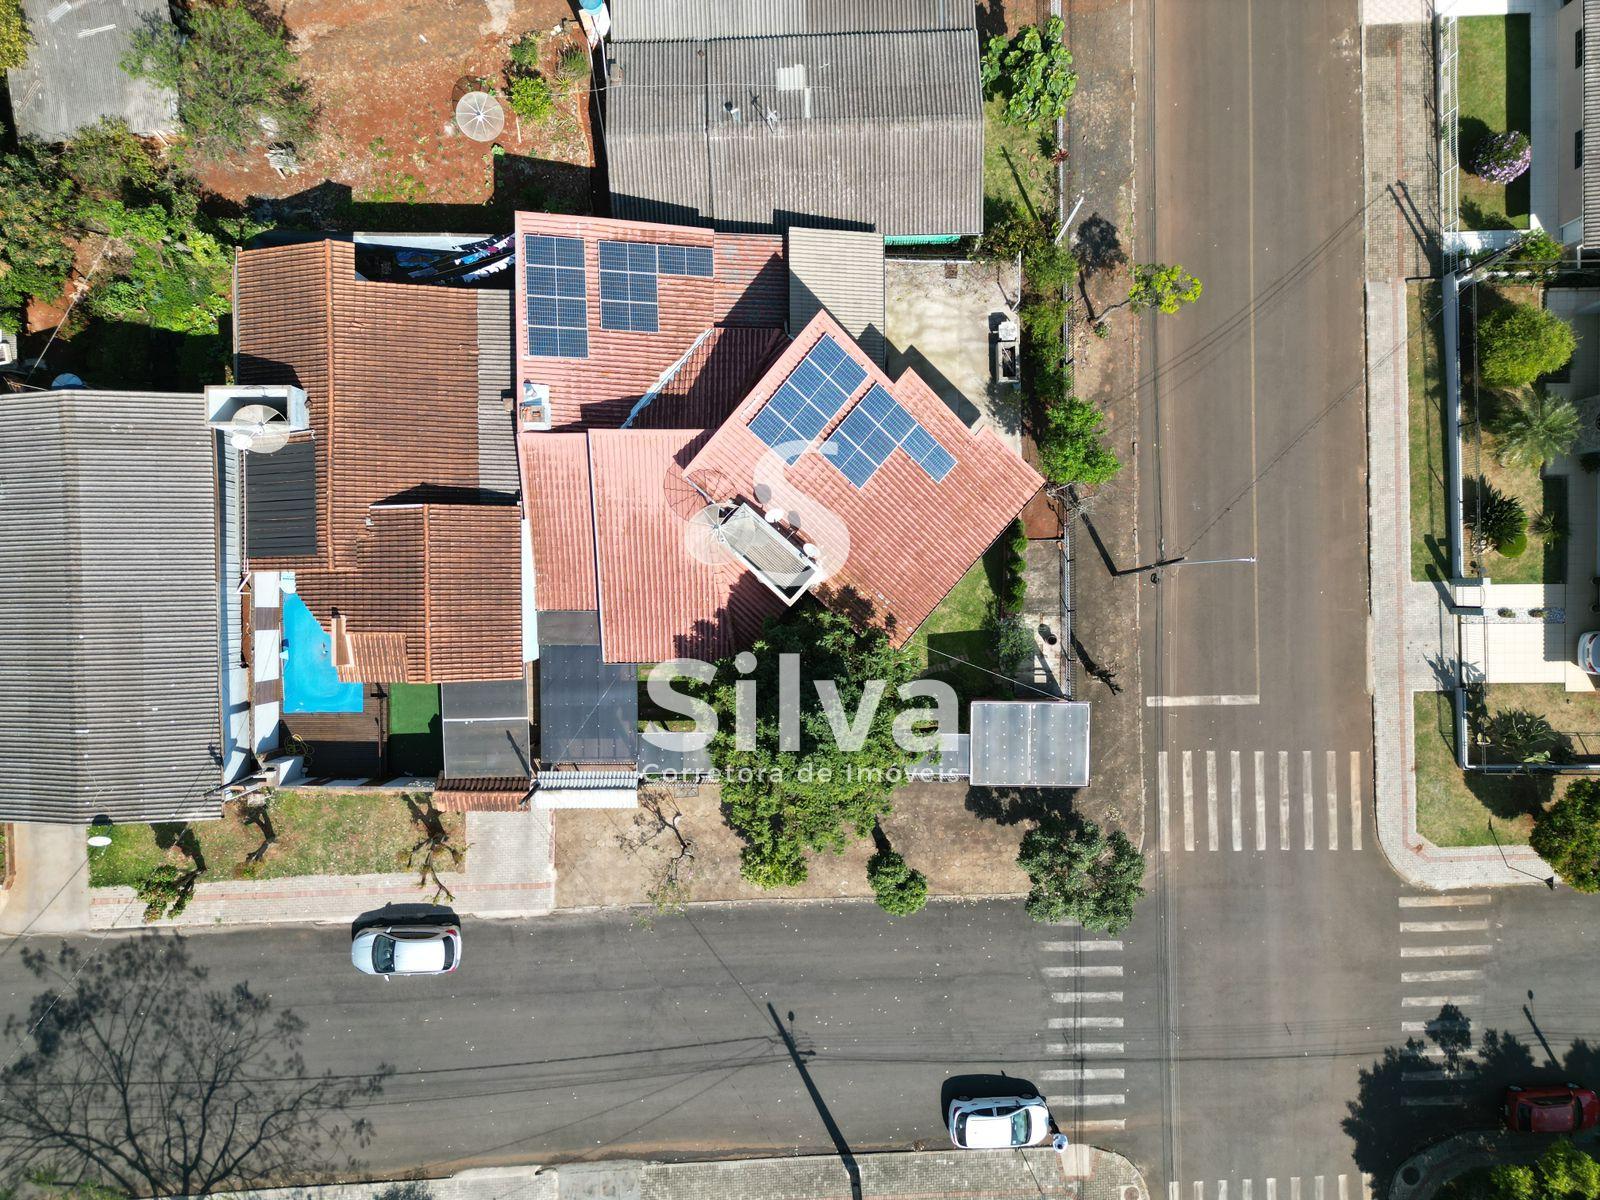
99	841
480	117
259	428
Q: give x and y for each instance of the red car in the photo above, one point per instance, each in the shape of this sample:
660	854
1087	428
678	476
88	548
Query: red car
1550	1108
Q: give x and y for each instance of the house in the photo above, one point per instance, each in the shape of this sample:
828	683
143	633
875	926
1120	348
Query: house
756	116
1577	86
120	642
73	76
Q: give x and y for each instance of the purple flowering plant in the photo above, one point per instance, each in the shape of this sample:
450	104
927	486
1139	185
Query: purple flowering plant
1502	157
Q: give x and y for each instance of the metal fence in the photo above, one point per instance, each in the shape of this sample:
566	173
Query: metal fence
1447	58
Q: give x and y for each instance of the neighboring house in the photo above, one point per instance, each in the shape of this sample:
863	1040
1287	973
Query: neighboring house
754	116
73	76
1577	109
117	612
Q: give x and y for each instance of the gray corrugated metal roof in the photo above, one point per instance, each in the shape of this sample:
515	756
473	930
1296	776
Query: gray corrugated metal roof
674	757
497	438
951	761
281	501
486	729
842	272
1591	120
72	77
879	131
673	20
1024	743
110	673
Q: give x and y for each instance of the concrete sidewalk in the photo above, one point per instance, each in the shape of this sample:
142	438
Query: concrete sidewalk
1079	1173
510	873
51	891
1412	629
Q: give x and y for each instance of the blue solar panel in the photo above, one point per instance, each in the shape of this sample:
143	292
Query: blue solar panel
869	434
805	402
558	297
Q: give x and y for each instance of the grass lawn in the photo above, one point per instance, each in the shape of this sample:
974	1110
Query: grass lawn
416	732
1454	806
1494	95
954	630
1430	522
1015	168
351	833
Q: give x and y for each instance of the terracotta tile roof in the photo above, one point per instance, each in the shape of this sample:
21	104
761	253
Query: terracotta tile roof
666	591
713	380
555	489
481	795
749	288
391	378
897	545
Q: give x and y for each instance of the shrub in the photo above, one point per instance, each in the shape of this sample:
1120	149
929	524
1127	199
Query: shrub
531	98
36	200
1070	450
234	77
171	269
1519	343
107	162
1012	640
1536	248
1502	157
1008	231
1049	268
15	39
1514	546
166	891
1032	73
1496	519
524	53
1549	525
1567	836
898	889
574	62
1534	428
1523	737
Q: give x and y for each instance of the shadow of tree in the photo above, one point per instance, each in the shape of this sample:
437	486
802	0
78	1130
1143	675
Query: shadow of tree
1440	1084
134	1073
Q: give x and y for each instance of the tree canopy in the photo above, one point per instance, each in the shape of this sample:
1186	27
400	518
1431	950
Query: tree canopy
1532	428
1562	1172
1080	874
819	796
36	198
1567	836
234	77
1032	73
1519	342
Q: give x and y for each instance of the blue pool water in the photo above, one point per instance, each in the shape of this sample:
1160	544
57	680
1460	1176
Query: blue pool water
311	684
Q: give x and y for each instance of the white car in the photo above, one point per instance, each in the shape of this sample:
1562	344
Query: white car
1589	652
407	950
998	1122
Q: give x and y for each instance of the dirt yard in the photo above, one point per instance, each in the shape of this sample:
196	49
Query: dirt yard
385	75
964	840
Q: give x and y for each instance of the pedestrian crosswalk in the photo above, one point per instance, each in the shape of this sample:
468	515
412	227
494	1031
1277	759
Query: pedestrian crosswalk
1348	1186
1446	944
1086	1084
1259	799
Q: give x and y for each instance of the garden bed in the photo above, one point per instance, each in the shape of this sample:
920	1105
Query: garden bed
1429	434
1494	94
317	833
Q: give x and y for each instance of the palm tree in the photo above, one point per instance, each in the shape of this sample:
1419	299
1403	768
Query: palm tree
1534	428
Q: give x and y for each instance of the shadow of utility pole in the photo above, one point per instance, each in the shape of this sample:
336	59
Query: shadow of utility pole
841	1147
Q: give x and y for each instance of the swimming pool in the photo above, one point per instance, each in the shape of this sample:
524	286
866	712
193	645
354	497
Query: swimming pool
311	683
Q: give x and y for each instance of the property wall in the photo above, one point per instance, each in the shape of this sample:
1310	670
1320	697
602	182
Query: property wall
1569	111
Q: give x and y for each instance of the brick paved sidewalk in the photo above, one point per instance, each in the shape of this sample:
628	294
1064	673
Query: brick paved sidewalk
1412	628
510	873
1080	1173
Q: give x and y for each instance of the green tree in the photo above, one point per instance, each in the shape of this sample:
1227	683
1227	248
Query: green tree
170	268
1165	288
1032	73
1010	636
15	37
899	889
234	77
1533	428
36	223
1070	449
108	162
166	890
785	802
1080	874
1562	1172
1520	342
1567	836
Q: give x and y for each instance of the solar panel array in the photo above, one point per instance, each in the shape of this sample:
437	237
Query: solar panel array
806	401
628	271
872	431
558	297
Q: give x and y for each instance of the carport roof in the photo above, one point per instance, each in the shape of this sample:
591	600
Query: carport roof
1025	743
486	733
588	708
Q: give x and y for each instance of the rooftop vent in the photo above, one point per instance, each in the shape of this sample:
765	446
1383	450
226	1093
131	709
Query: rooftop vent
533	410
